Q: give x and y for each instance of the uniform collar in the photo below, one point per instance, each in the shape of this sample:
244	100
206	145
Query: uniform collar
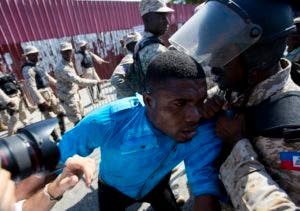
271	85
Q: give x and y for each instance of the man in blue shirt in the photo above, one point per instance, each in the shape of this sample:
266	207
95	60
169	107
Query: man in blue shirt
141	141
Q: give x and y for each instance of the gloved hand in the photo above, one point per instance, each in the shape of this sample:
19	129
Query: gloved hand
44	107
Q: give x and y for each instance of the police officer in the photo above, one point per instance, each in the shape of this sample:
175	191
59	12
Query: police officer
37	81
5	102
121	76
244	43
67	84
294	43
12	103
85	63
294	51
154	14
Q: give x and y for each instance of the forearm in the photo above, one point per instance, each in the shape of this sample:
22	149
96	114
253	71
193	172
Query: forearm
29	186
248	183
206	203
52	81
39	201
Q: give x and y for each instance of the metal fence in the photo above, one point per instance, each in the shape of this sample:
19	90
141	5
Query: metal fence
45	23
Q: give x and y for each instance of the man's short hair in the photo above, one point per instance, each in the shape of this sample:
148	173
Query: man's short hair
172	65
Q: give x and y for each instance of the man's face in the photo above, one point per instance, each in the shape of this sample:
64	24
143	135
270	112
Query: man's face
232	76
173	107
159	23
34	57
67	55
83	48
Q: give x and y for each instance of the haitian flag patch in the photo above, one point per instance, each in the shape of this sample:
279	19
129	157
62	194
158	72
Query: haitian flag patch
290	160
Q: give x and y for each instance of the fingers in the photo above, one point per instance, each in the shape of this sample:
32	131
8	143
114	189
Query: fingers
68	182
86	166
7	191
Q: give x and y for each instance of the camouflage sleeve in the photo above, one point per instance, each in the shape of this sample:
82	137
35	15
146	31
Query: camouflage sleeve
78	60
73	77
95	75
249	185
29	77
4	99
148	53
97	58
52	81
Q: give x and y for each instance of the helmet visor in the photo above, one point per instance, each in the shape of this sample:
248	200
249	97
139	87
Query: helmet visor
215	34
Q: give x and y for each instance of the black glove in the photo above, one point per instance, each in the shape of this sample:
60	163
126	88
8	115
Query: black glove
43	107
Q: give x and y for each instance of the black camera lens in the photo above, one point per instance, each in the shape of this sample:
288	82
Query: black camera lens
31	150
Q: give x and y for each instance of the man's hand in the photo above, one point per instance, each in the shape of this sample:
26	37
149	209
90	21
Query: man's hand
7	191
45	106
11	105
76	166
231	129
212	106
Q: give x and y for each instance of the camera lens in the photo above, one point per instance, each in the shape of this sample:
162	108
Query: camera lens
30	150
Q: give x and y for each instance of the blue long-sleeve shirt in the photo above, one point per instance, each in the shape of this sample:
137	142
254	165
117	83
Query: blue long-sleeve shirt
135	156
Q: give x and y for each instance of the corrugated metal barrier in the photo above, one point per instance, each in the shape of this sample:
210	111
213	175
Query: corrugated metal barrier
45	23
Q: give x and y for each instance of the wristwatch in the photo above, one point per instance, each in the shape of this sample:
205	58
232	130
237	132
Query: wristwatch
51	198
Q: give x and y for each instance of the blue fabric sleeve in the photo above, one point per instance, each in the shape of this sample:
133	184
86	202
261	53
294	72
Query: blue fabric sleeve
202	175
90	133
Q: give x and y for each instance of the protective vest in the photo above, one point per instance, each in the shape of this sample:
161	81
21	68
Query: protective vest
8	84
137	65
87	60
276	117
40	77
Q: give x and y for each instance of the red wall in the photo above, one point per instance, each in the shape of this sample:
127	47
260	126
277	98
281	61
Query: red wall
31	20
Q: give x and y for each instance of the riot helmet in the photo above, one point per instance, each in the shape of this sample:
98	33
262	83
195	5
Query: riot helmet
221	30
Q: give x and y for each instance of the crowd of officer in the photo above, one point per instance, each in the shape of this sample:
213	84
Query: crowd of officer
39	83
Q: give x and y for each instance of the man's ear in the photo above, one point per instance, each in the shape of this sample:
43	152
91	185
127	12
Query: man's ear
148	100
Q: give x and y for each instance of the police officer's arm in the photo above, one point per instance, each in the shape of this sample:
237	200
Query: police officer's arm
78	60
73	77
98	59
247	182
51	80
29	77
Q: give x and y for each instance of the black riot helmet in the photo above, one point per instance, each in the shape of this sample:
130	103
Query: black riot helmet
221	30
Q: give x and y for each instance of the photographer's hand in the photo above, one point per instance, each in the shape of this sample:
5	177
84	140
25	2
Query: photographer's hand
76	166
7	191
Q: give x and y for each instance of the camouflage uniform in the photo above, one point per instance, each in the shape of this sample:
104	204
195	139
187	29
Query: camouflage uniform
248	181
148	52
4	117
18	112
67	89
42	95
120	80
89	72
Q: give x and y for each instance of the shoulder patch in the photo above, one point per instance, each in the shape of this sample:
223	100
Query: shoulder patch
290	160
